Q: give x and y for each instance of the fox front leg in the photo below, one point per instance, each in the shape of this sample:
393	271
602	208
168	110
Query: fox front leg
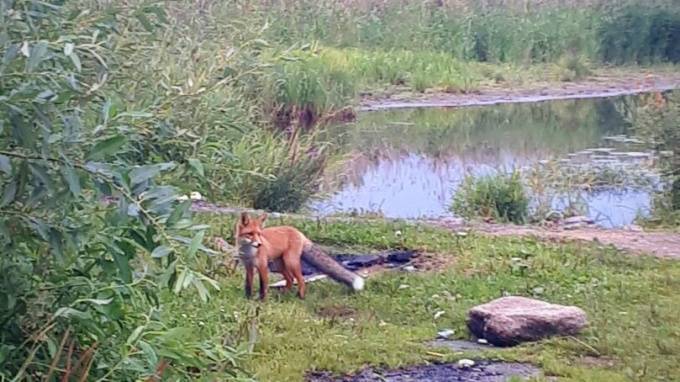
250	273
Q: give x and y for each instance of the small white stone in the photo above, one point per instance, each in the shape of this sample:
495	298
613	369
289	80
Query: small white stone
482	341
195	195
446	333
182	198
466	363
404	286
409	268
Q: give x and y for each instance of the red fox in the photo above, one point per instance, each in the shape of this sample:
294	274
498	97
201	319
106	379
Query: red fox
285	247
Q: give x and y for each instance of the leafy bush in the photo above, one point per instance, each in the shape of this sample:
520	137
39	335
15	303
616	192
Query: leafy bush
640	34
81	300
658	120
500	196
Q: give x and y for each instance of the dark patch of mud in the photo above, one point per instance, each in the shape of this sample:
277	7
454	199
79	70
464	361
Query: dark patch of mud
460	345
596	87
355	262
336	311
483	371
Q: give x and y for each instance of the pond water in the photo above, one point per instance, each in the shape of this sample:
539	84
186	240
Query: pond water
408	163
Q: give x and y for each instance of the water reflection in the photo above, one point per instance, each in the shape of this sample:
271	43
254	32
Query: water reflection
408	163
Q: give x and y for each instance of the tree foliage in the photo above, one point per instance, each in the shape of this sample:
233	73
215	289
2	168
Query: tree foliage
88	234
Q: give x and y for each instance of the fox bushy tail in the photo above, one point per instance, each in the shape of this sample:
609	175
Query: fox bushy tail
317	257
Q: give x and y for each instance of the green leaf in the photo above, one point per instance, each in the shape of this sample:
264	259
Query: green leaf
180	280
202	292
159	12
5	165
10	53
72	179
68	48
40	173
76	61
149	353
210	281
8	194
145	21
21	131
45	96
134	114
143	173
135	335
106	147
196	243
37	54
123	266
70	312
178	213
97	301
197	166
160	251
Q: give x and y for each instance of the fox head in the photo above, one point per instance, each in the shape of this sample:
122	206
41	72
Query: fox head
249	230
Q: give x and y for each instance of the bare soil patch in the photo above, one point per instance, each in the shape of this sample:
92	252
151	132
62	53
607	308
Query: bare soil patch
658	244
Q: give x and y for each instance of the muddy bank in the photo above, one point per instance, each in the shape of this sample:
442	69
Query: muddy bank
483	371
609	85
658	244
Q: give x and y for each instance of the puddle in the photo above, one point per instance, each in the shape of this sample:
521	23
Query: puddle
408	163
482	371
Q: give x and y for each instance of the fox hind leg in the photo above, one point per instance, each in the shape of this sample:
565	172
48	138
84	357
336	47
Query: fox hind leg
289	280
294	267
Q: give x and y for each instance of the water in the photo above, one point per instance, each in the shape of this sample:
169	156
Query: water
408	163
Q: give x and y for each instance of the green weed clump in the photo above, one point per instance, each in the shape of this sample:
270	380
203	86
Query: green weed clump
658	120
304	87
499	196
573	68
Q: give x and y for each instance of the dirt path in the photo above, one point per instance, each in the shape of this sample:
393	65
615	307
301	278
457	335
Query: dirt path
658	244
596	86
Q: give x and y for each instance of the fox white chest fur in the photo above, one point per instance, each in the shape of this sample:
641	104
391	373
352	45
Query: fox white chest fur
247	252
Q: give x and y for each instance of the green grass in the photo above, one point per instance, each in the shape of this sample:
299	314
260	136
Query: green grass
632	304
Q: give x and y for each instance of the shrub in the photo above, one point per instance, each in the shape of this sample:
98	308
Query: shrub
640	34
658	120
81	300
500	196
573	68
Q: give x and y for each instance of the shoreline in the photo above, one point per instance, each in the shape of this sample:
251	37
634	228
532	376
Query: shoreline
594	87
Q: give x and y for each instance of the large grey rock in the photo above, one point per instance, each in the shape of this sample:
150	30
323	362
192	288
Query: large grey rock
511	320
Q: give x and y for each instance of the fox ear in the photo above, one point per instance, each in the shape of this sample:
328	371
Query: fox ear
263	217
245	219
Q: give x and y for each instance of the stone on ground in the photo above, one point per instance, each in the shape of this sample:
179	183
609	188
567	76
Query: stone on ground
512	320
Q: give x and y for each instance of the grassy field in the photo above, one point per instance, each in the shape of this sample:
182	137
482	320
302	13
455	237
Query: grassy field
631	302
141	101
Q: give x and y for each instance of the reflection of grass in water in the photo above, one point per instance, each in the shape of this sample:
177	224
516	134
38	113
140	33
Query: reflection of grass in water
482	134
553	181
